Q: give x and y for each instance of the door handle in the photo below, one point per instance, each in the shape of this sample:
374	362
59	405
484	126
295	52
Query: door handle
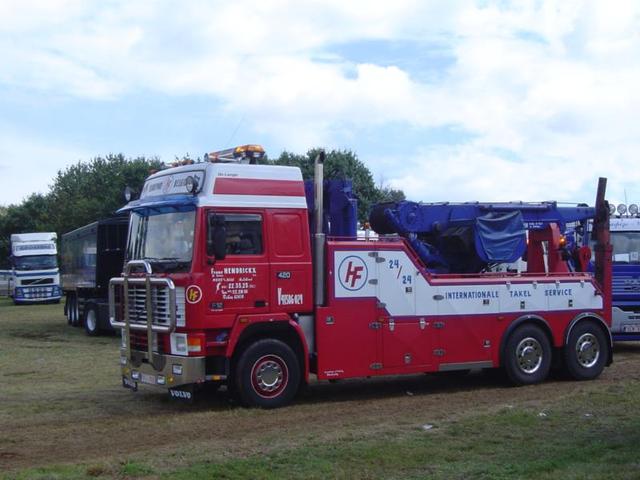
260	303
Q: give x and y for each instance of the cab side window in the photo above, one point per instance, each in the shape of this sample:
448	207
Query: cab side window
243	233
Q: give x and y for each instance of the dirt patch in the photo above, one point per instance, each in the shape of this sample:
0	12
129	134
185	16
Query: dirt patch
8	455
40	336
19	374
322	413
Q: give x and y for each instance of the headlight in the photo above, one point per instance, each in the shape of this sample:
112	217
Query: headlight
622	209
633	209
179	344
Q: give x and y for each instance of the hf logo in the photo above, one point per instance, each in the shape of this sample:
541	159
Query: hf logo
353	273
193	294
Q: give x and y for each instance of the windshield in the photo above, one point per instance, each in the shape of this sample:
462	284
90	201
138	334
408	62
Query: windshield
626	247
163	236
35	262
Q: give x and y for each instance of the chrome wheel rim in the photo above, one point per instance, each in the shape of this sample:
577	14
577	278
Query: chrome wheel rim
587	350
269	376
529	355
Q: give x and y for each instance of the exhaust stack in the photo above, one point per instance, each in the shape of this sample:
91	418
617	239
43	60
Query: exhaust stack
319	236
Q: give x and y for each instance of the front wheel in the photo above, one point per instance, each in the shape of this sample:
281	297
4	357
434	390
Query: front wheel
267	374
586	351
527	355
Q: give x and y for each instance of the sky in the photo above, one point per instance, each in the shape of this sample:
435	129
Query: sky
448	100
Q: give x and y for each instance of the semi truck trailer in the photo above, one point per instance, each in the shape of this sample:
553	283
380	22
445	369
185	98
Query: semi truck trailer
91	256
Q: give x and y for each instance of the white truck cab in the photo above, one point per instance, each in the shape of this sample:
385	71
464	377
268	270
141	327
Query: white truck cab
35	277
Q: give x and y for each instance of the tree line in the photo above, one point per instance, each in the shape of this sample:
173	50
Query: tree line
90	190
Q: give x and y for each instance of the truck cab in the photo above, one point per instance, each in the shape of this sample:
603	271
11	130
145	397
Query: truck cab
211	246
34	268
625	240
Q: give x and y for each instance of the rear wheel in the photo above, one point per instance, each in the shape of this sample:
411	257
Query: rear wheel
586	351
73	309
527	355
91	320
67	308
267	374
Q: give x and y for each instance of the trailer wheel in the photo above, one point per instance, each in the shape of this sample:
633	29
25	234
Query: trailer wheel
72	310
586	351
76	312
67	308
527	355
91	320
267	374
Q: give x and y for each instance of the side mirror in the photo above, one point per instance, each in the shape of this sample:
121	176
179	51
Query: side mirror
217	237
129	193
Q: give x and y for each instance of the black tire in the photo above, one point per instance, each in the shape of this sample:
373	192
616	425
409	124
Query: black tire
91	320
73	311
527	355
279	362
68	307
586	351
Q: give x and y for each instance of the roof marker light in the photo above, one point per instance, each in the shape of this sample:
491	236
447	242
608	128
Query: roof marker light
242	154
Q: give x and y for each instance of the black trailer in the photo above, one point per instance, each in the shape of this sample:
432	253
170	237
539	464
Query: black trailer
91	255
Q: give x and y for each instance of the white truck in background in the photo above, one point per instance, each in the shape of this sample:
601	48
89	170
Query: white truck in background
35	277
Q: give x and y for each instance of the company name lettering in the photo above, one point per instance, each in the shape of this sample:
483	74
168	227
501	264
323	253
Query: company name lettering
41	246
155	186
479	294
239	270
558	292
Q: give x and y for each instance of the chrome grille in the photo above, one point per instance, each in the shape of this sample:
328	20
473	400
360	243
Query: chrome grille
129	301
180	307
159	303
625	284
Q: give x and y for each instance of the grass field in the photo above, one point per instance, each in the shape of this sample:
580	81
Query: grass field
63	414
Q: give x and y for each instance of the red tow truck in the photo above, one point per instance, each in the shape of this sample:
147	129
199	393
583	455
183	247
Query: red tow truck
237	273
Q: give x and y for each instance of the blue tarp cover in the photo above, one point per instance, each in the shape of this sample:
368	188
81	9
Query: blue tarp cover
500	238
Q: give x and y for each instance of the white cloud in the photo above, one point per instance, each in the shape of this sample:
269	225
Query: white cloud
550	84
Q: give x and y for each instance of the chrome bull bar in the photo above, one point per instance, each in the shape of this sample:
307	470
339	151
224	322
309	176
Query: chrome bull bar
148	325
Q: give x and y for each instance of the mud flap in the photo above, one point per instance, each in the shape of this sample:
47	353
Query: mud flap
185	393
